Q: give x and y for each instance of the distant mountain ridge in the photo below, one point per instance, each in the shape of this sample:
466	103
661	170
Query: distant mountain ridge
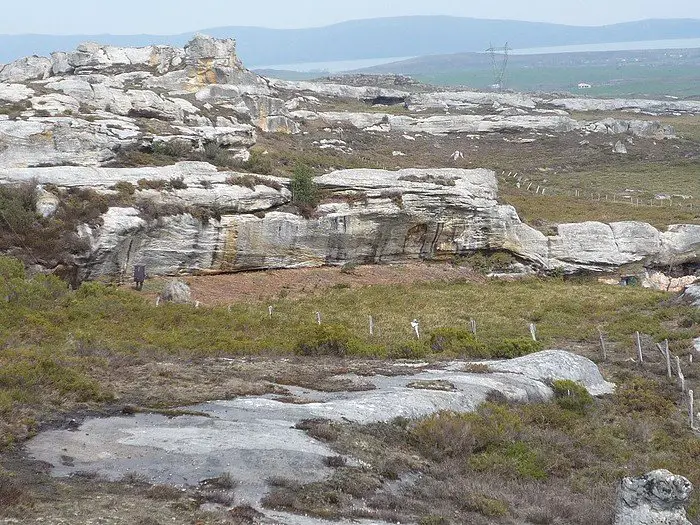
374	38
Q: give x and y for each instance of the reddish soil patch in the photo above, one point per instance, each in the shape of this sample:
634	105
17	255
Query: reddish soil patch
258	286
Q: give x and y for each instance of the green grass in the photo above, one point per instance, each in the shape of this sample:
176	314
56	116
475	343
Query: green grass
59	343
44	315
544	211
601	190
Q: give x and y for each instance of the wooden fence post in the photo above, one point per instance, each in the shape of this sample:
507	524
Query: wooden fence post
533	331
681	377
371	325
414	325
639	349
603	350
318	317
668	360
691	409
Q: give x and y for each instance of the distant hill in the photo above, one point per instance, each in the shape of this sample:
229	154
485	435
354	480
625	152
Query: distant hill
375	38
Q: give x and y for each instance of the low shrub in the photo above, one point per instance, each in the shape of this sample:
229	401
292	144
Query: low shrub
176	183
163	493
445	434
325	339
223	481
251	181
416	349
11	268
485	262
487	506
178	149
258	163
642	395
571	395
457	342
125	188
501	261
152	184
23	372
511	348
517	458
17	208
12	492
433	520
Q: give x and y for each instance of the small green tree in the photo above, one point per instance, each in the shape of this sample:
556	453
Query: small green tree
304	191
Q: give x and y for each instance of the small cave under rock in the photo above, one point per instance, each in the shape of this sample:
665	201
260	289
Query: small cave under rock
387	101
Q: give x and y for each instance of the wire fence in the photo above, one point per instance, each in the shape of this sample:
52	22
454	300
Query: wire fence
537	187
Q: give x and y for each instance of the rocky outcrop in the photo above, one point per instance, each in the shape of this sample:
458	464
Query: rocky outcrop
552	365
80	108
483	123
439	124
657	498
365	93
468	99
618	104
63	140
638	128
63	118
692	295
371	216
253	438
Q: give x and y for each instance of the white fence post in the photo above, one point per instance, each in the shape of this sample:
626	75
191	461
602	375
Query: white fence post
415	326
639	348
603	350
691	409
681	377
533	331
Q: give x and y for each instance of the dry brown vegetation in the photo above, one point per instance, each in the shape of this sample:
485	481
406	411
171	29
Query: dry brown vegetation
557	462
561	164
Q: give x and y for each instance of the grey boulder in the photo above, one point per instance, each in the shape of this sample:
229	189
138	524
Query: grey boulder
175	291
657	498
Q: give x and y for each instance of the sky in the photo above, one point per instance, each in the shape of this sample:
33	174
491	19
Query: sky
180	16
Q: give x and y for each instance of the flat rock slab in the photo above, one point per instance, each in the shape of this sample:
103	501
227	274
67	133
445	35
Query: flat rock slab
254	438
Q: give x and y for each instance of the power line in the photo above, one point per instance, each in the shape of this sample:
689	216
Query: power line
499	62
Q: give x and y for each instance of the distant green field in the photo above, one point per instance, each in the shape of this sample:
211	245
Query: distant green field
627	80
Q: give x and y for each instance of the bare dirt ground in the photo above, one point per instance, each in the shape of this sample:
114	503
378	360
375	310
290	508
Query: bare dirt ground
216	290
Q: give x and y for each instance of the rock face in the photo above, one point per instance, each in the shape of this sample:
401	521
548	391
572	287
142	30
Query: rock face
64	118
253	438
692	294
453	124
371	216
635	105
80	108
657	498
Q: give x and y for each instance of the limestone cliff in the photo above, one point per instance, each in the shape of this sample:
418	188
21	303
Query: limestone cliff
370	216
